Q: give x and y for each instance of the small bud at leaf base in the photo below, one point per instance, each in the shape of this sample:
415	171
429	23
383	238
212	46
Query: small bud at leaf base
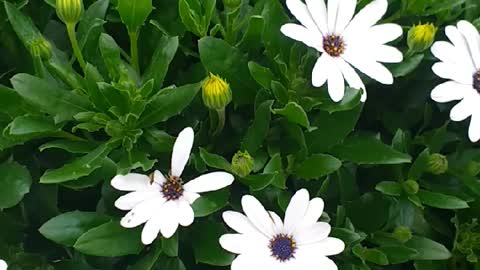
40	47
216	92
402	234
437	164
242	163
420	37
410	187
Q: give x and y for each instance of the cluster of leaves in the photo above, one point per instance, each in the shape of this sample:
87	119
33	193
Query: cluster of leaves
67	130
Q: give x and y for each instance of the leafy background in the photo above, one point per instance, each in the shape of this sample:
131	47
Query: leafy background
68	131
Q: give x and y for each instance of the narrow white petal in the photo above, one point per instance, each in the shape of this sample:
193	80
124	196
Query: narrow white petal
346	10
239	222
318	12
327	247
320	70
384	33
446	52
300	11
185	213
130	200
133	182
158	177
246	262
474	128
142	212
368	66
352	78
3	265
336	84
307	259
169	222
462	110
236	243
473	40
296	210
181	151
461	47
257	215
209	182
312	234
450	91
314	212
302	34
366	18
191	197
453	72
151	229
387	54
277	222
332	13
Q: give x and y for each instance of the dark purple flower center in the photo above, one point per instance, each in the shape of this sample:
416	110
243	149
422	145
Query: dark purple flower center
172	189
476	81
333	45
283	247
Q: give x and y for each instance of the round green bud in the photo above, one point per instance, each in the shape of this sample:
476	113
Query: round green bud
410	187
420	37
232	4
437	164
473	168
402	234
216	92
40	47
242	163
69	11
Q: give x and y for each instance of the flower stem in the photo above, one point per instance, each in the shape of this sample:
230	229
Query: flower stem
220	121
134	51
75	47
38	65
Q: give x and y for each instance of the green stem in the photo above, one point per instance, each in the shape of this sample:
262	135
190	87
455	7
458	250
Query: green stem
220	121
134	51
76	49
38	65
229	37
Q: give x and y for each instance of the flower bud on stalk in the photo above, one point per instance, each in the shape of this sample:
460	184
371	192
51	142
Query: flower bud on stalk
40	48
242	163
437	164
410	187
216	92
420	37
69	11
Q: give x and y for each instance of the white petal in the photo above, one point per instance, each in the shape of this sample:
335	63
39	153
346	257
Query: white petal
336	84
257	215
320	70
3	265
327	247
130	200
302	34
473	40
346	9
133	182
209	182
450	91
312	234
296	210
185	213
142	212
158	177
446	52
453	72
277	222
300	11
474	128
332	13
307	259
239	222
151	229
352	77
383	33
368	66
181	151
243	262
314	211
318	12
191	197
461	47
169	222
387	54
462	110
366	18
236	243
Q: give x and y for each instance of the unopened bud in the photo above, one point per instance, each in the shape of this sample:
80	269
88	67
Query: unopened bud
437	164
242	163
40	47
402	234
216	92
232	4
69	11
420	37
410	187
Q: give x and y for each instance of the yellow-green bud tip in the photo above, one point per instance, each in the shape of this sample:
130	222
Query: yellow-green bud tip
40	47
420	37
402	234
437	164
69	11
216	92
242	163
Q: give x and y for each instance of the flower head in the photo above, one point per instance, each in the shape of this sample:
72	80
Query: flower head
69	11
264	241
163	203
345	40
420	37
460	65
216	92
3	265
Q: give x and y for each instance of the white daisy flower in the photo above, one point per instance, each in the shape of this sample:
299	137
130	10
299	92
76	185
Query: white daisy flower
263	241
3	265
164	203
460	65
345	42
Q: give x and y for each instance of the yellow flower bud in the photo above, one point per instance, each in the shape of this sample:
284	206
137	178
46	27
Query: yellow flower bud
242	163
216	92
40	47
69	11
420	37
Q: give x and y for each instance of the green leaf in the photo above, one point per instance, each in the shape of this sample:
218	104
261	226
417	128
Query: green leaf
275	166
346	235
294	113
32	124
167	47
428	249
211	202
398	254
147	262
366	149
407	66
370	212
60	103
170	245
257	132
11	102
134	13
111	55
439	200
79	167
167	103
350	100
262	75
22	25
159	140
206	247
136	158
109	240
253	34
316	166
215	161
15	182
389	188
419	165
222	59
96	96
167	263
259	181
66	228
76	147
370	255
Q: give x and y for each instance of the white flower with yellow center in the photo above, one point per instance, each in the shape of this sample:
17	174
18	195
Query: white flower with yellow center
3	265
164	203
460	65
345	42
263	241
